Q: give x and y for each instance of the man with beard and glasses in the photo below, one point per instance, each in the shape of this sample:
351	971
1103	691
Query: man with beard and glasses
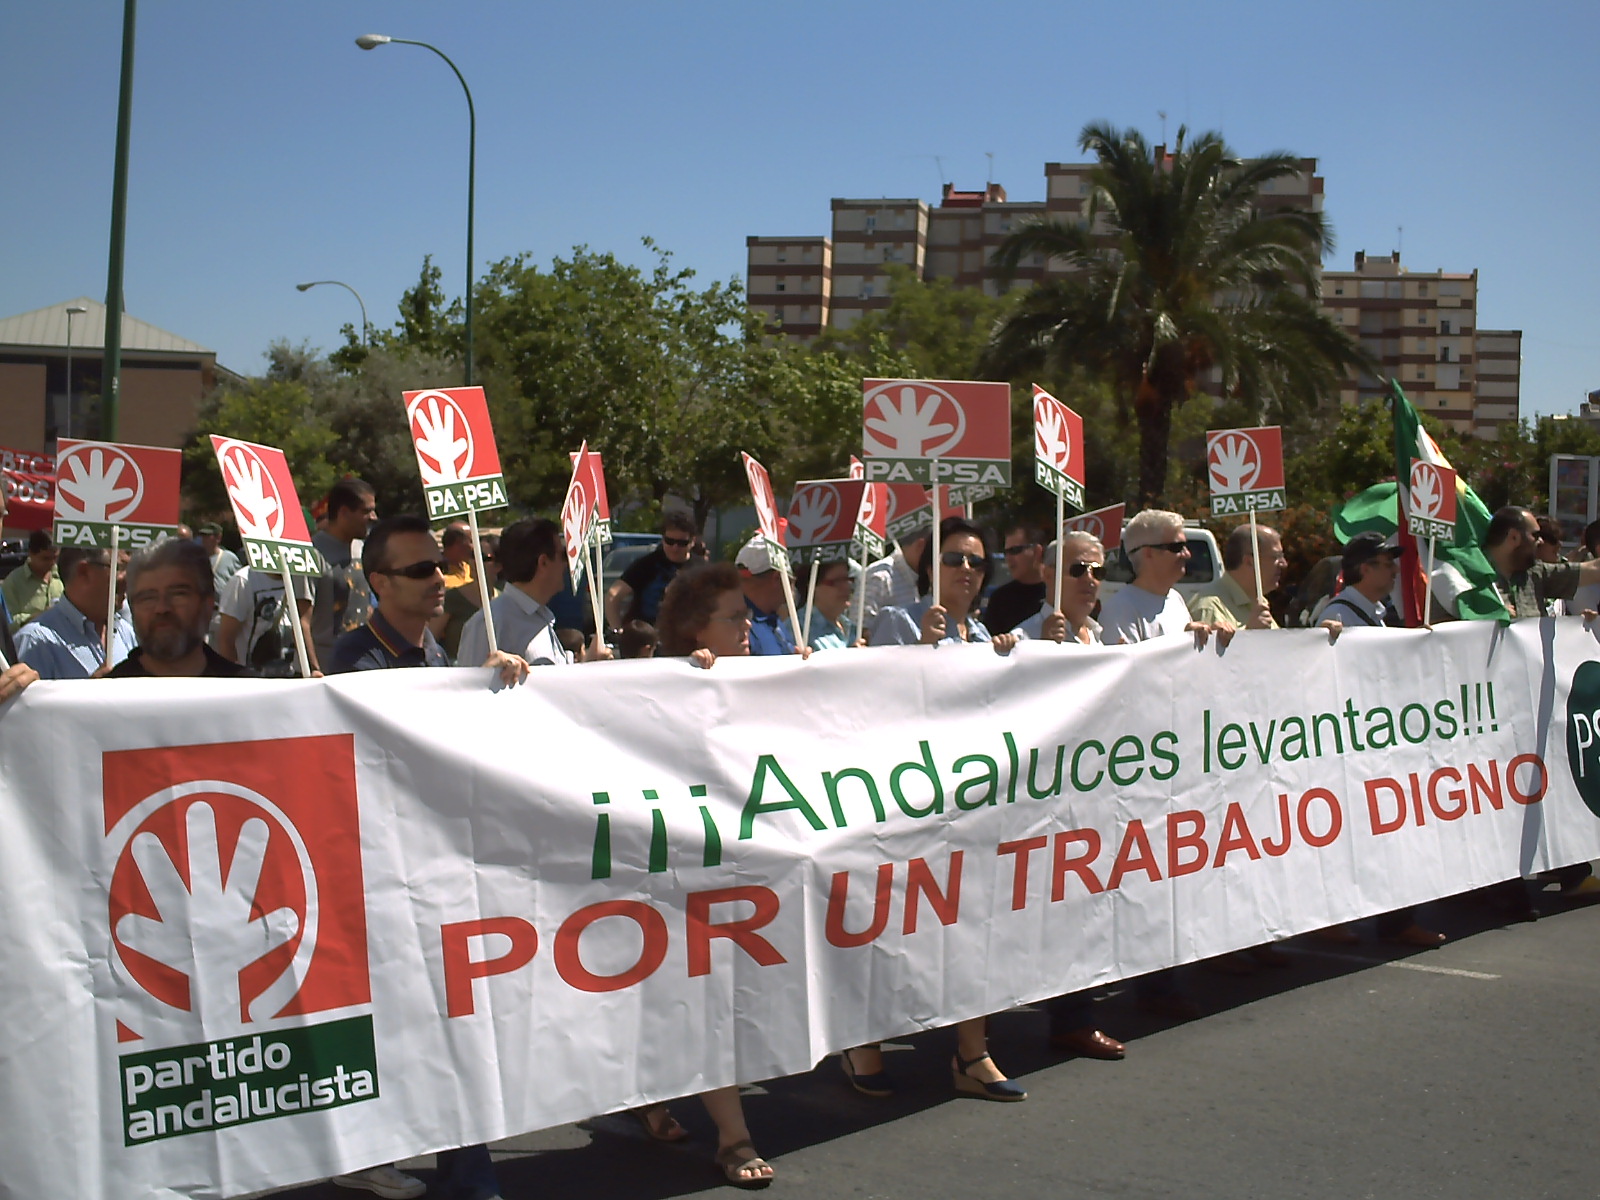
172	595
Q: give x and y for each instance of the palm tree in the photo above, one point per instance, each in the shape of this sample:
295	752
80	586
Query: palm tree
1174	273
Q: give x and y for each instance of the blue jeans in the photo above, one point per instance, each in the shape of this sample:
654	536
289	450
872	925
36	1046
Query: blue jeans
465	1174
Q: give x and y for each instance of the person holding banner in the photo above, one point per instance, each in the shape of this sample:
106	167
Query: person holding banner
172	595
1232	599
68	640
1151	605
964	568
1525	584
533	563
704	617
892	581
1367	571
401	560
253	621
1084	559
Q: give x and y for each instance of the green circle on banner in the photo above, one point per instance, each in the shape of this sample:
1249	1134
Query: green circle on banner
1583	733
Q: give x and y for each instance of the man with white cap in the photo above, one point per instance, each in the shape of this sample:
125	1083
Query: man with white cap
762	582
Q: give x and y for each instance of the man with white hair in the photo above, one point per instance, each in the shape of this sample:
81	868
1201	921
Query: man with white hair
1151	606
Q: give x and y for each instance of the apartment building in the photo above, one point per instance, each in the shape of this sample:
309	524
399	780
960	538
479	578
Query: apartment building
790	281
1422	327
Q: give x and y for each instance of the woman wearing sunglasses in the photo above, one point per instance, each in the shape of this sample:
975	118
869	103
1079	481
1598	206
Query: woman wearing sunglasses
703	618
1083	561
964	567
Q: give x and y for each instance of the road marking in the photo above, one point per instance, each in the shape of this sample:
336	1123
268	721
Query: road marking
1403	964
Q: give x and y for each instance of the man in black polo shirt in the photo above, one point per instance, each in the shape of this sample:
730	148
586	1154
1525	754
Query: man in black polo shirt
172	596
405	569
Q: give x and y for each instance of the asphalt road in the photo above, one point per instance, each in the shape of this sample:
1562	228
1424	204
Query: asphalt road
1464	1072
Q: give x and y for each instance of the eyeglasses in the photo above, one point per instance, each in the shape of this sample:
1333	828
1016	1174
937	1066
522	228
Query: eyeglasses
1169	547
1078	569
174	596
1020	547
418	570
954	558
672	541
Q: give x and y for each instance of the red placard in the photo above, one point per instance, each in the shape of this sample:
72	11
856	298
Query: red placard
101	485
1431	501
577	511
30	484
909	505
1104	523
766	504
963	425
1246	470
266	506
1057	447
456	455
823	517
602	502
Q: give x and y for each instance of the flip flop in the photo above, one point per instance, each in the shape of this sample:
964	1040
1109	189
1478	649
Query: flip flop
668	1131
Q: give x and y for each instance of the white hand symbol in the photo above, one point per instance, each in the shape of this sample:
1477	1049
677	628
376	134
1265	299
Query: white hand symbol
907	427
1426	495
1051	441
572	513
93	486
1236	466
255	502
206	930
437	440
813	514
766	506
869	505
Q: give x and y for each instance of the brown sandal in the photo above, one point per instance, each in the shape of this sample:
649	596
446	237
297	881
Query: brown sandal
658	1130
732	1164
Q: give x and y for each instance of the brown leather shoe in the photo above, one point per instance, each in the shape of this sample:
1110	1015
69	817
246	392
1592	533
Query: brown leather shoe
1337	935
1416	935
1087	1043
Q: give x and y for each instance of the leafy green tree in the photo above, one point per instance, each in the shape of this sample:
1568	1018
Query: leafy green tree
1173	274
939	330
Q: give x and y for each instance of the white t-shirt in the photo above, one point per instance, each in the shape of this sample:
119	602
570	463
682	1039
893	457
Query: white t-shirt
255	600
1135	615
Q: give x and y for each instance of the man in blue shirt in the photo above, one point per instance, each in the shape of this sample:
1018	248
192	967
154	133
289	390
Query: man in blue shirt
404	566
770	630
67	640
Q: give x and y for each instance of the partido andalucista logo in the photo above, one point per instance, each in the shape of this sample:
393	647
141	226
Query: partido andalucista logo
238	934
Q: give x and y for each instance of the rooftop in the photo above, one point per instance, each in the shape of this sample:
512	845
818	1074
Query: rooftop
46	329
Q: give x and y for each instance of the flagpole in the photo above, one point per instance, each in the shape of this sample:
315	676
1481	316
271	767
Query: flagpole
1061	519
293	606
594	583
483	584
811	596
861	596
934	545
1427	589
1255	553
111	590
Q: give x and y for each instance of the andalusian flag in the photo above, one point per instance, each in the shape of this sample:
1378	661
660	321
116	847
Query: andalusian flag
1379	507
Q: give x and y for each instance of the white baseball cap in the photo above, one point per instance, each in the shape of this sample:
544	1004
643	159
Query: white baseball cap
755	557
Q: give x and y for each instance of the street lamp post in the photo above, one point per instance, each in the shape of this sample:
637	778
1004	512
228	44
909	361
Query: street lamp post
73	310
366	328
371	41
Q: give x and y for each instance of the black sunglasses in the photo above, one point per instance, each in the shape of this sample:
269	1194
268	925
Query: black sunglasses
1169	547
1020	547
671	541
954	558
1078	569
419	570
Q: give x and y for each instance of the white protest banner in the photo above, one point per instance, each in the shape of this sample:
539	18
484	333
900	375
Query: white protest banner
1104	523
271	521
30	485
113	495
456	454
1057	449
937	431
404	952
1245	467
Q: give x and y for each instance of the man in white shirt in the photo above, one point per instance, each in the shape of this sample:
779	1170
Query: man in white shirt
892	582
1150	606
533	563
1368	570
250	608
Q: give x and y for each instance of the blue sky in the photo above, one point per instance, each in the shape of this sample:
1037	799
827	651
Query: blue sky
268	149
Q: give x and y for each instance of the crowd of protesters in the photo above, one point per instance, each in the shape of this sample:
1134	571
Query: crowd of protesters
394	593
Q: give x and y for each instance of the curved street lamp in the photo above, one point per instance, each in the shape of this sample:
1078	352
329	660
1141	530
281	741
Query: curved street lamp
371	41
366	329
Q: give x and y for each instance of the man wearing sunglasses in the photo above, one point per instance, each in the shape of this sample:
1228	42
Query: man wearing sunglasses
1231	600
405	568
1151	606
637	595
1014	602
1083	561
